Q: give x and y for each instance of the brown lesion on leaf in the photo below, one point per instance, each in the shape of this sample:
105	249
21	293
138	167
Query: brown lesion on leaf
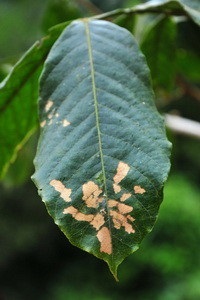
65	123
91	194
48	105
50	116
43	123
98	221
122	171
59	187
138	189
125	196
53	115
121	220
116	210
76	214
117	188
120	215
105	240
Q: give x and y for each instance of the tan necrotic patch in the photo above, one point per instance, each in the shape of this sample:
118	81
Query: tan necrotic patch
65	123
105	240
91	192
64	192
119	214
53	116
122	171
138	189
48	105
77	215
43	123
97	221
116	210
125	196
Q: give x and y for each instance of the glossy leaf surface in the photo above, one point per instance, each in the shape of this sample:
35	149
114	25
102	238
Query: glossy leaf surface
103	155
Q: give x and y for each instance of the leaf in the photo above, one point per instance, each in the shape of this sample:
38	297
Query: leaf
18	99
190	7
103	156
159	48
59	11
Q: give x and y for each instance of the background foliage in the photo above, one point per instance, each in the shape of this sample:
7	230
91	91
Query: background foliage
36	260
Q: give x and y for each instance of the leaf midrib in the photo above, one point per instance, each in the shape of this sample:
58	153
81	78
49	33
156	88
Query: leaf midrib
89	44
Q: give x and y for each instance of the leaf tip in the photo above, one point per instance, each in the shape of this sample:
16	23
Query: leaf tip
113	270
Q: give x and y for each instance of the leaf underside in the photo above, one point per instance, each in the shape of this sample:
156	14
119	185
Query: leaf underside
103	155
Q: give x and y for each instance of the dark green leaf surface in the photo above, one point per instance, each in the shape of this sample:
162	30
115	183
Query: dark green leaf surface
18	99
103	155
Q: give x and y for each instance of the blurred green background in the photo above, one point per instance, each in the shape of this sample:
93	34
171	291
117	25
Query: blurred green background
36	260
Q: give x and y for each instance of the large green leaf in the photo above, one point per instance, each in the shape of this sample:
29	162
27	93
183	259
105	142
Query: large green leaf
18	99
103	155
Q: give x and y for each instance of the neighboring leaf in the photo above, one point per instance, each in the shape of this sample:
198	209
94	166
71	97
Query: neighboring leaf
159	48
125	21
59	11
144	24
18	99
188	64
190	7
103	155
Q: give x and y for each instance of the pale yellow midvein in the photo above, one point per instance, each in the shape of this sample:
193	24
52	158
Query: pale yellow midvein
89	44
95	101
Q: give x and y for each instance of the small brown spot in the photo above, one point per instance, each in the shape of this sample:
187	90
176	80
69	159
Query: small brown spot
82	217
97	221
48	105
50	116
112	203
116	188
130	218
59	187
65	123
138	189
91	192
124	208
121	220
43	123
124	197
104	238
70	210
122	171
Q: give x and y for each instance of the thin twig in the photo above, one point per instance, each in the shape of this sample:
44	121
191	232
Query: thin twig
183	126
135	10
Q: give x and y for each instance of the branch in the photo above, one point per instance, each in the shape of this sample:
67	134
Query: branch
135	10
183	126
